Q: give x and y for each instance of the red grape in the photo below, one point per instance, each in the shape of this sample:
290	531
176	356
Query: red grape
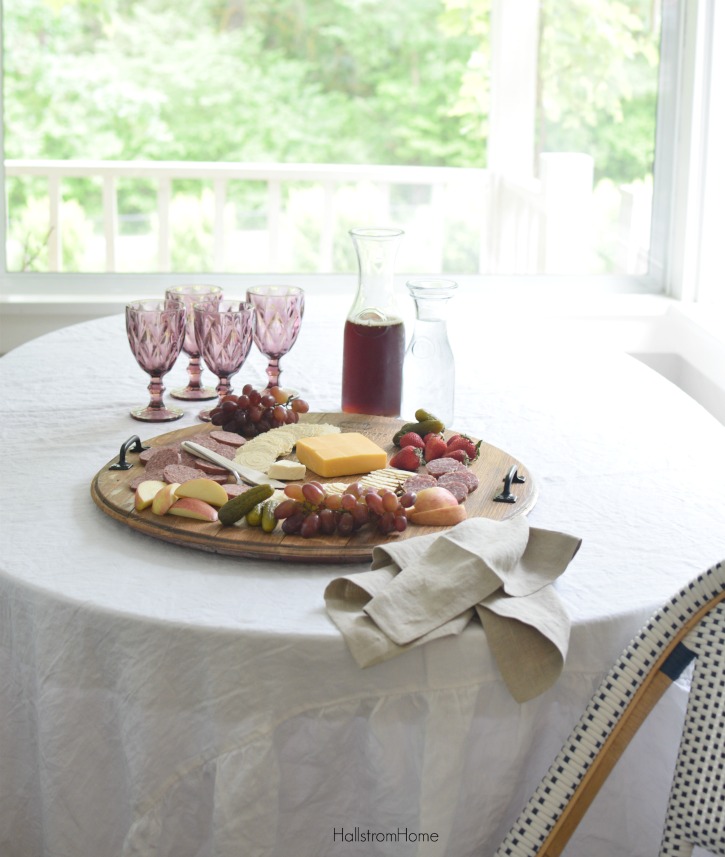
310	526
286	509
299	406
292	524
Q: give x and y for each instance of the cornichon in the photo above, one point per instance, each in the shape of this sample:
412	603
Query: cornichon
422	415
269	522
236	508
254	516
422	428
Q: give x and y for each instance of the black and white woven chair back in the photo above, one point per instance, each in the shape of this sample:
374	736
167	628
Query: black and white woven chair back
689	629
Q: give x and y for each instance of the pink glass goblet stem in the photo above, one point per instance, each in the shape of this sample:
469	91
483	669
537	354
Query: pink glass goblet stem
155	330
273	372
191	294
279	311
224	334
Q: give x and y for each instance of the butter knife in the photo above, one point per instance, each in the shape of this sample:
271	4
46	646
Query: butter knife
248	474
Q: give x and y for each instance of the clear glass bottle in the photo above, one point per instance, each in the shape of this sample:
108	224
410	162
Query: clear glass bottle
429	374
374	339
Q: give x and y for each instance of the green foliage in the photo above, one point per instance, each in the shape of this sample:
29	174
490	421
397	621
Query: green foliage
598	84
327	81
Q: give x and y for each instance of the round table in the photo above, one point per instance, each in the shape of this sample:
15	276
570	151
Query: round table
158	700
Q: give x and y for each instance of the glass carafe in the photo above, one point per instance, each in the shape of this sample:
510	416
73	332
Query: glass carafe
429	375
374	339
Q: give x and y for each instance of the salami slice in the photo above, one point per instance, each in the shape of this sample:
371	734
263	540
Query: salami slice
234	490
157	475
210	469
439	466
419	482
468	477
187	459
457	488
181	473
228	437
160	456
208	442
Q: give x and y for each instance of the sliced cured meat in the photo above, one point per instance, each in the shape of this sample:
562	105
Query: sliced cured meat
211	469
182	473
147	475
439	466
419	482
458	489
187	459
468	477
160	456
208	442
234	490
228	437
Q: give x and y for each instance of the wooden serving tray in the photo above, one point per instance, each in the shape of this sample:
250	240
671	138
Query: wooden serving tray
110	491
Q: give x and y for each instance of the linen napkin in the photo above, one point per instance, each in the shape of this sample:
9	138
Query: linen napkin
432	586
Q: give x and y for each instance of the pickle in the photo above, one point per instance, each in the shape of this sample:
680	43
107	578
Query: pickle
238	507
433	425
422	415
422	428
254	516
268	520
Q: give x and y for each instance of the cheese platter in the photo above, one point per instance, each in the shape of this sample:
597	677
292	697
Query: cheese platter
504	488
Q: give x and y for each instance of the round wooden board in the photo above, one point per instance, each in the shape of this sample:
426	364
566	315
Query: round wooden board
110	491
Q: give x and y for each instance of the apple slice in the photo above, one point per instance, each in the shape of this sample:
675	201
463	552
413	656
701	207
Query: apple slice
443	516
146	492
192	507
203	489
164	499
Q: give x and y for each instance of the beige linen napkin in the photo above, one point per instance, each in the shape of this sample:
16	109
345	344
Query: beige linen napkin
431	586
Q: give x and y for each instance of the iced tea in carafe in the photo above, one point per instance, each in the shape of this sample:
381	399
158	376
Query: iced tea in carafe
374	338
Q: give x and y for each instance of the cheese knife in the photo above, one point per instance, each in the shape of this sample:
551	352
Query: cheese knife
248	474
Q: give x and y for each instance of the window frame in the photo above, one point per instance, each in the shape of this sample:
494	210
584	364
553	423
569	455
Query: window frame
678	188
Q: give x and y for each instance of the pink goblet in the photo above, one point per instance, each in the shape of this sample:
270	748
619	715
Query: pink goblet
279	312
191	295
224	335
155	330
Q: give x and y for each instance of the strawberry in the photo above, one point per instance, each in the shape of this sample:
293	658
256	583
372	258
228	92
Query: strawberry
409	458
411	439
458	455
435	447
462	441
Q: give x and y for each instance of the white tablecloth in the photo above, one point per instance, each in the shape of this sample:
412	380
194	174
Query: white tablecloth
156	700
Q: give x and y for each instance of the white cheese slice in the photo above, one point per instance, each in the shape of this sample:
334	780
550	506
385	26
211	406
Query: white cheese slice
286	470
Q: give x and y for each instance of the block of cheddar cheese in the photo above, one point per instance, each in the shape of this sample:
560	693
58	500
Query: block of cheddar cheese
340	454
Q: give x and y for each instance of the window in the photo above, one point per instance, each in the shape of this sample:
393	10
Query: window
505	137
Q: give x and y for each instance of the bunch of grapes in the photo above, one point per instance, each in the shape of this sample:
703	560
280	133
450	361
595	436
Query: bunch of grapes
256	411
309	511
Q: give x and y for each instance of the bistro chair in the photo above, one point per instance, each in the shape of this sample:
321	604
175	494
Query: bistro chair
689	628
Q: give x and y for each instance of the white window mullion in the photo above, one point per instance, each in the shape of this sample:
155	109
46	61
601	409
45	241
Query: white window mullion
220	201
164	209
110	220
55	243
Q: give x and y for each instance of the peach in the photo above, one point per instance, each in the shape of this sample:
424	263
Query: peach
434	498
164	499
442	516
203	489
146	492
192	507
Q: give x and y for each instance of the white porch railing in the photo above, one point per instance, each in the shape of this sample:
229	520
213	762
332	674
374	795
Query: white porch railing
523	225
